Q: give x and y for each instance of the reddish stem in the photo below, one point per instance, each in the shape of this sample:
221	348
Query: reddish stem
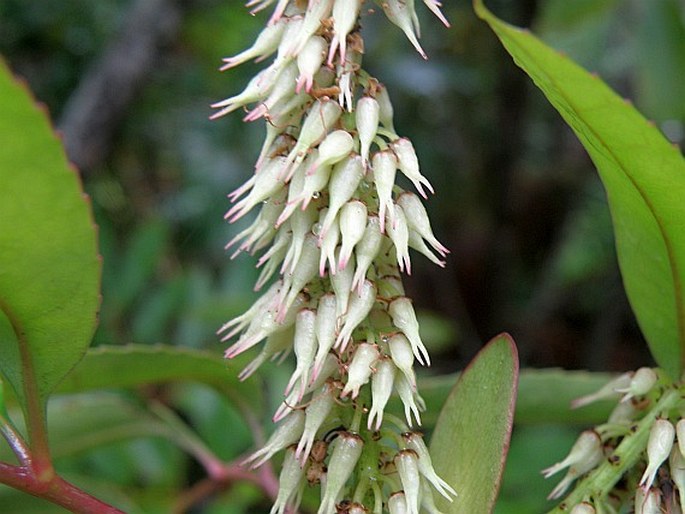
55	489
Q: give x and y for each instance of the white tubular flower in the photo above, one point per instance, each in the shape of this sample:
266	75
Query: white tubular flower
290	483
403	357
406	394
381	389
304	346
414	441
341	283
623	413
390	286
427	500
417	219
325	326
648	502
676	467
583	508
262	224
304	271
434	6
384	165
367	119
353	216
245	319
357	508
366	250
608	390
313	182
640	383
360	369
315	415
398	231
282	89
345	14
584	449
401	14
343	183
359	308
397	504
277	343
661	437
406	462
266	44
289	432
334	148
408	164
317	12
386	112
300	226
328	245
416	242
256	90
404	318
346	453
309	60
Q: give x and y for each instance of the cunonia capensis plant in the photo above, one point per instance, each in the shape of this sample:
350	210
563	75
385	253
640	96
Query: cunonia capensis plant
336	201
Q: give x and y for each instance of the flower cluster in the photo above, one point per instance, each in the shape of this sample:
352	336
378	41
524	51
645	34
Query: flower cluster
637	458
335	231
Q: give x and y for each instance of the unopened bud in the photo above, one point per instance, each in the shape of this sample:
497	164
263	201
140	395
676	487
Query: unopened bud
360	369
341	283
359	307
680	431
315	414
346	453
647	502
325	326
367	118
398	231
309	61
304	346
641	383
397	503
289	483
328	244
352	225
343	183
661	437
386	111
366	250
676	465
384	166
334	148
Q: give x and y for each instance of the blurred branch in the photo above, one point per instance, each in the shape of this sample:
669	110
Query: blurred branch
98	105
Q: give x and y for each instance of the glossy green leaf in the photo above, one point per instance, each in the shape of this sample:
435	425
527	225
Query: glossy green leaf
110	367
643	174
471	438
49	267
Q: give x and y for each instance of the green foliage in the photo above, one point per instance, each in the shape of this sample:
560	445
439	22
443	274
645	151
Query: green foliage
50	272
644	176
480	408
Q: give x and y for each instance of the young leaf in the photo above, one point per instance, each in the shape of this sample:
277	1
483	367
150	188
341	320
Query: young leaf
644	176
49	267
471	438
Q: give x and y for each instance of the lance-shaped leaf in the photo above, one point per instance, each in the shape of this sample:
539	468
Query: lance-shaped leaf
49	267
471	438
643	174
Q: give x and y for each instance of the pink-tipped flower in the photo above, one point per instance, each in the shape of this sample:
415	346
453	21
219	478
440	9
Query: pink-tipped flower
366	250
317	12
304	346
407	464
417	219
345	14
384	165
402	14
267	184
359	308
315	414
328	245
434	6
414	441
277	343
341	283
266	44
367	118
313	182
282	89
334	148
417	243
304	271
398	232
360	369
404	318
408	164
325	327
342	185
403	357
352	221
290	484
300	226
640	383
330	366
659	445
381	388
257	89
287	433
346	453
309	60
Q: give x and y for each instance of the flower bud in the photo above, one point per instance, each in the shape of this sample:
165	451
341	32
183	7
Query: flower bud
397	503
309	61
289	483
584	449
367	120
417	219
346	453
360	306
608	390
304	346
408	164
352	225
334	148
583	508
343	183
384	166
341	283
415	442
398	231
313	182
404	318
623	413
381	389
360	369
661	437
345	14
304	272
325	326
390	286
276	343
406	462
300	225
328	244
386	111
402	357
287	433
266	44
366	250
416	242
315	414
641	383
402	14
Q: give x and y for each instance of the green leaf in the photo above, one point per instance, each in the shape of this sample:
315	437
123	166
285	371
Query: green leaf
471	438
135	365
643	174
49	267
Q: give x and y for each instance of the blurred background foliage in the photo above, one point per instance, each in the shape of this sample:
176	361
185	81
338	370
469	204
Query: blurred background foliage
518	203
